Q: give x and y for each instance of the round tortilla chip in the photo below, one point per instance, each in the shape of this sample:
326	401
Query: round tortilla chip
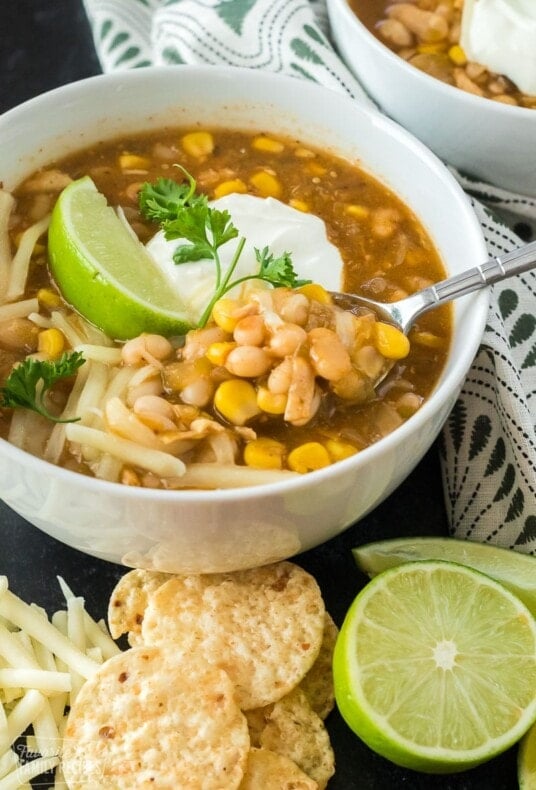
267	770
294	730
263	626
128	602
318	682
151	719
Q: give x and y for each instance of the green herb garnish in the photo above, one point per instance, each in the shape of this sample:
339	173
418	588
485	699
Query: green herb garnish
28	383
183	214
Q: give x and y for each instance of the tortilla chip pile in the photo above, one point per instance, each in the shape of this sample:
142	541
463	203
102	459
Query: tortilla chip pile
225	685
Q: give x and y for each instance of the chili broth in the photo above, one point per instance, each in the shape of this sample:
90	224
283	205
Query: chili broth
387	255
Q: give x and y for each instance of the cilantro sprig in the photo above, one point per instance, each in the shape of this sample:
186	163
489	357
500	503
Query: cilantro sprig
185	214
28	383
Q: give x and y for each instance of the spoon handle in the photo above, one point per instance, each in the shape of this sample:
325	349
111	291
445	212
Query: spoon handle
492	271
407	310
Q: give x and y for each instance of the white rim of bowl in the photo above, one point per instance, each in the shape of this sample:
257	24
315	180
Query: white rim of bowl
449	383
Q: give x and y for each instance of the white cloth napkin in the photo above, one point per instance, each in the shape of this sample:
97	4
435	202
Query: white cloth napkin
488	447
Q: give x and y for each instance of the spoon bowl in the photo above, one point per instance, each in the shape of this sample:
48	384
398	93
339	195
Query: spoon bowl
404	312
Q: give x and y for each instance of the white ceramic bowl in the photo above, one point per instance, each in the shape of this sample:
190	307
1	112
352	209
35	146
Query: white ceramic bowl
483	138
221	530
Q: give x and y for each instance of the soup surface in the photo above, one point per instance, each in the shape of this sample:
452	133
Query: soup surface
163	394
426	33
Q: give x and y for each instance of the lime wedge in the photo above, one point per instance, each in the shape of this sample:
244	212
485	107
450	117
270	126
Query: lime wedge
526	761
104	272
435	667
511	568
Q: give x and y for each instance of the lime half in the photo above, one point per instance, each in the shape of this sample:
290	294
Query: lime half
104	272
526	761
435	667
511	568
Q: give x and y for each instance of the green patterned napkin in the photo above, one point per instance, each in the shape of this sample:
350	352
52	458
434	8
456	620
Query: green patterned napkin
488	446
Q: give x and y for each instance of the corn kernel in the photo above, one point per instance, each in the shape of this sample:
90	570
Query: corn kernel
299	205
427	339
316	169
271	402
457	55
266	184
217	353
432	49
308	457
236	400
316	292
339	450
51	341
234	185
390	341
359	212
223	314
134	162
48	298
198	144
264	453
268	144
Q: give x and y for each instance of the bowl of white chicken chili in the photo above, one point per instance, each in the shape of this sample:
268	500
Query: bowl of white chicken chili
179	391
458	74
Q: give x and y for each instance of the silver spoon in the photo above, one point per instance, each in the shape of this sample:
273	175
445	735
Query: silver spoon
404	312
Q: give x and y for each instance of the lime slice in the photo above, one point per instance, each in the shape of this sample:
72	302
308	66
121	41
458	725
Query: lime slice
104	272
511	568
435	667
526	761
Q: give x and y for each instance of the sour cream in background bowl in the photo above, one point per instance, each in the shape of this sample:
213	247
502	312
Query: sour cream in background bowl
221	530
490	140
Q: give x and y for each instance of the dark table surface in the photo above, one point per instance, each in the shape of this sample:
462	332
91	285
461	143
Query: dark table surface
43	45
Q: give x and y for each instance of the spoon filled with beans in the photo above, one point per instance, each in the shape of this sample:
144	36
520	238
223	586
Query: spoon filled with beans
403	313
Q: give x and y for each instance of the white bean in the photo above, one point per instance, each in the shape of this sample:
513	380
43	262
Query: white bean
395	32
353	387
198	341
292	307
427	25
280	377
385	222
250	331
329	357
198	392
248	361
408	403
155	412
148	348
286	340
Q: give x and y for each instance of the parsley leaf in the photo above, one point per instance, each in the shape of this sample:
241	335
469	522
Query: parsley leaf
277	271
161	201
206	228
28	383
183	214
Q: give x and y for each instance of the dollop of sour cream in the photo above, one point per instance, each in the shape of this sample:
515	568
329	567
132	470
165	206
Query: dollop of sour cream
264	222
501	35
